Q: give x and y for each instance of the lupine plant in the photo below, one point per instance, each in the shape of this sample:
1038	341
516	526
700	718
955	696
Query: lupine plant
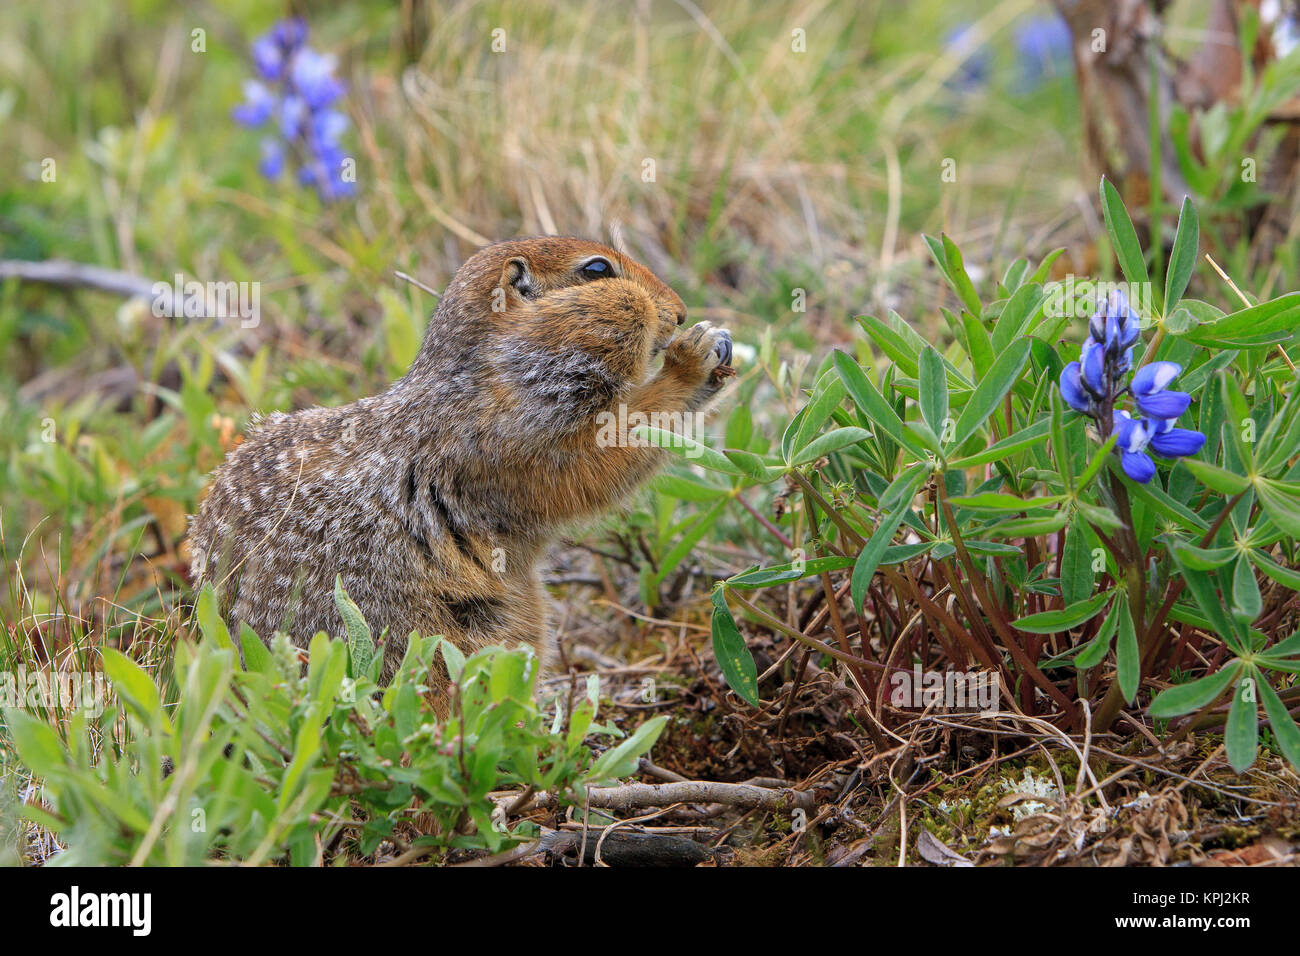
294	97
987	503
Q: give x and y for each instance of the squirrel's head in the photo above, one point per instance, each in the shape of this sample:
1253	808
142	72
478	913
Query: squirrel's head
556	294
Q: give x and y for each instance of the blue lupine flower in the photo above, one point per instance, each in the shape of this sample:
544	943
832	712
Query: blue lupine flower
1133	438
1044	48
1072	388
1094	383
257	106
1153	399
296	92
1171	442
312	75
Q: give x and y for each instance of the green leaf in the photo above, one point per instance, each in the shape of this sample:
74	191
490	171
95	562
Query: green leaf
687	448
623	760
689	488
978	343
933	389
891	343
1246	601
1175	511
38	746
257	658
1203	559
1127	663
361	645
733	656
1099	460
1283	576
870	557
989	392
752	464
1280	315
784	574
829	393
135	687
454	658
1122	235
955	270
1204	592
1077	576
1096	649
1001	501
1021	440
1241	734
211	626
1014	320
1185	698
1285	731
307	748
871	403
1182	258
833	440
1055	622
1280	506
1216	478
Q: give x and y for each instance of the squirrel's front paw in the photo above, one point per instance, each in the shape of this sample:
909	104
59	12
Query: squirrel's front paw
701	356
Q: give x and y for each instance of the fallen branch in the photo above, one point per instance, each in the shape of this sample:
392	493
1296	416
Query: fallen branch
636	796
66	273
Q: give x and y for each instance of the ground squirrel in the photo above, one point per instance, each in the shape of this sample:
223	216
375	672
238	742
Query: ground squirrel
435	500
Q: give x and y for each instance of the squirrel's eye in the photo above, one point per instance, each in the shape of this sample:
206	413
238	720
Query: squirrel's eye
597	269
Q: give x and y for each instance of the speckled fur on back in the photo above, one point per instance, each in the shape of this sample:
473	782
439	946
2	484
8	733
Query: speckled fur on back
435	500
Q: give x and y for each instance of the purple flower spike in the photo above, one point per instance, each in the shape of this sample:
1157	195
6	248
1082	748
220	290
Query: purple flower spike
295	94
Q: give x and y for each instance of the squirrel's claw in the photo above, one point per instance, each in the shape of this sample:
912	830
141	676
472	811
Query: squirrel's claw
722	347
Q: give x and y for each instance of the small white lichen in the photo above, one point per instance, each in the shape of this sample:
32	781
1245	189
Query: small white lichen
1034	784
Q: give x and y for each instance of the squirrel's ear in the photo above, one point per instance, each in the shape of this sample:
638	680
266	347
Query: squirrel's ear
516	275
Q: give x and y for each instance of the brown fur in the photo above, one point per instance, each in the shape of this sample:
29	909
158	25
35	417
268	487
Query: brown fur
435	500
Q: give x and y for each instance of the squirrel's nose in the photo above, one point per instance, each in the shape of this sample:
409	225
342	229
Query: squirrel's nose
681	316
